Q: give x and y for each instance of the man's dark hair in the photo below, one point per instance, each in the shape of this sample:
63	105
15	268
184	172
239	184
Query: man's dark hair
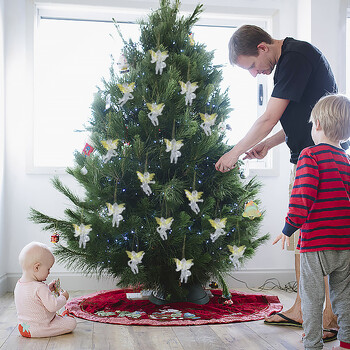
245	41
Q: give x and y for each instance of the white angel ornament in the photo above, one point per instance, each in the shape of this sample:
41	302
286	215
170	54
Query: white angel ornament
194	197
164	225
173	147
156	111
237	253
135	259
116	210
110	146
219	225
208	121
184	266
188	89
127	90
82	232
146	179
158	58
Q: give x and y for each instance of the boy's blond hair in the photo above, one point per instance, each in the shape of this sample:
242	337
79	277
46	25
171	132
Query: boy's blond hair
333	113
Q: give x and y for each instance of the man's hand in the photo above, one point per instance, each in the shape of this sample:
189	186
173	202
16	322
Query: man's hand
226	163
284	239
257	152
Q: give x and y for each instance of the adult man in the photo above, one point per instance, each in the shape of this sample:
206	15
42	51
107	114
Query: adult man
302	76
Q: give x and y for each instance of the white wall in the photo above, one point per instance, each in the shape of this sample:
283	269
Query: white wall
29	190
3	254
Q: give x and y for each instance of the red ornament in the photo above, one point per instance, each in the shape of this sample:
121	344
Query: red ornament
88	149
55	238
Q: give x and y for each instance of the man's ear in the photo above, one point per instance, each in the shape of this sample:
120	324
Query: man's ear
36	267
262	47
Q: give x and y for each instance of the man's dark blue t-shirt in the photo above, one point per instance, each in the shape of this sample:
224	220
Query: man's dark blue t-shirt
303	76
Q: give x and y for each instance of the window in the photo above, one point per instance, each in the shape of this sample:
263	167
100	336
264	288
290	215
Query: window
72	54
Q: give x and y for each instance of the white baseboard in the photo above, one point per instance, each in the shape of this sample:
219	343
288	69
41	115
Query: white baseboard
3	284
75	281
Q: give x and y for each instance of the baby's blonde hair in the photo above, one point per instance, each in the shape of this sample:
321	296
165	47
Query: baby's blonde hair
333	113
32	253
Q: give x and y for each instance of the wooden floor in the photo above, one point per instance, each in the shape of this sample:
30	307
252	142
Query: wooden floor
98	336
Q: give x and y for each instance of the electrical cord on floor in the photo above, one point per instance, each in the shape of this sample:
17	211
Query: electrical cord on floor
271	283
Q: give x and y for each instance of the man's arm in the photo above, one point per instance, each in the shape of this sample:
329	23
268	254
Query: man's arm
260	129
260	150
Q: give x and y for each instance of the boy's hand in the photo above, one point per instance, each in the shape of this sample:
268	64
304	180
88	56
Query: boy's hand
284	239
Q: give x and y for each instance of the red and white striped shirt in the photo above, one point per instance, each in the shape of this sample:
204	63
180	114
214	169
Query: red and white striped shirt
320	201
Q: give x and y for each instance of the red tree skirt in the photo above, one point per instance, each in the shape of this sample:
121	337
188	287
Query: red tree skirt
113	307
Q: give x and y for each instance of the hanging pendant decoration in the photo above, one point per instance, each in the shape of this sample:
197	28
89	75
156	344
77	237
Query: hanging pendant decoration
110	146
127	90
158	58
208	121
251	211
194	197
55	237
188	89
184	266
219	225
116	210
156	111
82	232
164	225
191	39
123	65
135	259
146	179
87	150
236	254
173	147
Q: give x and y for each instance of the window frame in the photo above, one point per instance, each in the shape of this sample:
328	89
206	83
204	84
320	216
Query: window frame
38	10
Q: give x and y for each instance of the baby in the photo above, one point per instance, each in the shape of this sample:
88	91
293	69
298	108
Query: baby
35	301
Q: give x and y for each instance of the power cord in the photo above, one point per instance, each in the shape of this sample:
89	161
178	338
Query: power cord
270	284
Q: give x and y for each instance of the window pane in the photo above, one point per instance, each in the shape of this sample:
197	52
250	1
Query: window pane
242	86
71	58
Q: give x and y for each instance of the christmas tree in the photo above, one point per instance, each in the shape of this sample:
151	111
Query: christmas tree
156	214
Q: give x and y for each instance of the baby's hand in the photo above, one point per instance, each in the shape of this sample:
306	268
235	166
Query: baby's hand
52	285
284	239
65	294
